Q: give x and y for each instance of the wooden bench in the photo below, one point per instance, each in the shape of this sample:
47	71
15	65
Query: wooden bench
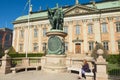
25	68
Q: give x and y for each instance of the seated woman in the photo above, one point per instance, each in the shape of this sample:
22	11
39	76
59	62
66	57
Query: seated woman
85	68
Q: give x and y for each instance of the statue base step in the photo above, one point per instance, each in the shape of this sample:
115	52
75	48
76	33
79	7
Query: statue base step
55	63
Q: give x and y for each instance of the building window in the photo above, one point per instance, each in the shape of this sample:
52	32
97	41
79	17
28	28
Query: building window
77	29
90	29
118	26
104	28
35	32
66	47
1	36
21	33
91	46
44	47
44	31
20	47
118	45
7	37
65	29
105	45
35	47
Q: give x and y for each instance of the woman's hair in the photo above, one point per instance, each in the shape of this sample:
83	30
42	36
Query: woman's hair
85	61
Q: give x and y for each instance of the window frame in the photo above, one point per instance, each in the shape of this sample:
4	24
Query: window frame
117	27
91	45
90	29
106	45
65	29
44	32
77	29
21	33
35	32
104	28
66	46
21	47
35	47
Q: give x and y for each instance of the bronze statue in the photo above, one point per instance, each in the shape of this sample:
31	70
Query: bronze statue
56	18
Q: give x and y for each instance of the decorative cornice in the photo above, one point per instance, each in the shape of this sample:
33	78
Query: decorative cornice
77	40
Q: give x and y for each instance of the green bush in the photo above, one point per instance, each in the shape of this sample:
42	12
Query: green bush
99	46
113	64
118	59
24	55
113	58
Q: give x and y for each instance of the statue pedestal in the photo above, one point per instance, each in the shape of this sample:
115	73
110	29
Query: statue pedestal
101	65
6	64
55	58
55	63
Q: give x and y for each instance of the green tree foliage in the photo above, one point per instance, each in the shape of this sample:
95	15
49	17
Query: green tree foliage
12	50
99	46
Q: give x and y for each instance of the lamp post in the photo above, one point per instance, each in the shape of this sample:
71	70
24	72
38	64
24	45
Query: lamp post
27	45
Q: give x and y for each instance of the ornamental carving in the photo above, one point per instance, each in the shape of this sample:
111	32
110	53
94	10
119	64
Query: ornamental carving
75	11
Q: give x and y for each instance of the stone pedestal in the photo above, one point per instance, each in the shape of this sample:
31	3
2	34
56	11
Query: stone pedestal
55	60
25	61
101	63
55	63
6	64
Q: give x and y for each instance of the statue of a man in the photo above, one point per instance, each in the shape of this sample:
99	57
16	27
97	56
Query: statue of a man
56	18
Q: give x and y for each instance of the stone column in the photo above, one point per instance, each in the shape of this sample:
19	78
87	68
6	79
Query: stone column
30	36
39	38
70	29
17	39
6	63
101	64
85	36
13	40
97	30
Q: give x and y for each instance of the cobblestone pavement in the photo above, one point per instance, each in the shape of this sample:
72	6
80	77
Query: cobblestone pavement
39	75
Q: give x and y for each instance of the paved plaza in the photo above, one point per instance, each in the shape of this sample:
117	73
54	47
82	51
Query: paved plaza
39	75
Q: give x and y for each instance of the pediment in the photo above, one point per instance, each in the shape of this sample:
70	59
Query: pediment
79	9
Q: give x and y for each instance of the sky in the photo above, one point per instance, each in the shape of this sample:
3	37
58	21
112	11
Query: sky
12	9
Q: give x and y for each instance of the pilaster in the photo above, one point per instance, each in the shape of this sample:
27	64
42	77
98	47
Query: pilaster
30	36
85	36
112	33
97	30
17	40
39	38
70	32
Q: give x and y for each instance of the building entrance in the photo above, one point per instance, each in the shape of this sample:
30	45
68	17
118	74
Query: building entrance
78	48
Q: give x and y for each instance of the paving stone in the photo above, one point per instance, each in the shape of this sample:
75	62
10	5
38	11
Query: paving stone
39	75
